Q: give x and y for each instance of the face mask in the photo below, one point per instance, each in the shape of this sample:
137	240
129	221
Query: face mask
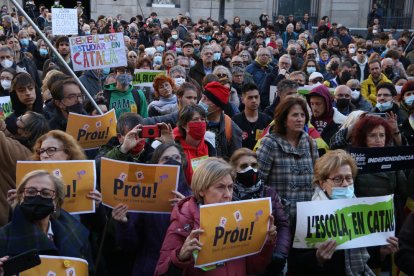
345	77
192	62
43	52
24	42
247	177
157	60
351	50
174	36
6	63
388	71
56	3
6	84
342	192
208	38
196	51
409	101
75	108
375	31
267	40
106	71
342	103
138	148
35	208
168	45
217	56
203	105
179	81
384	106
178	50
160	48
369	47
196	130
87	32
310	70
355	94
247	30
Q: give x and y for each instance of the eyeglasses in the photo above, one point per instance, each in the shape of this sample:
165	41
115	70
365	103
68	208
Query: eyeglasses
361	52
19	119
165	85
50	151
338	180
132	56
73	97
245	165
384	95
174	157
196	44
45	193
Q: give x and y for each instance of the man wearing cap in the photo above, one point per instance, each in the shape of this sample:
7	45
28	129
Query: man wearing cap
369	86
204	66
325	118
315	79
188	51
182	28
222	131
333	31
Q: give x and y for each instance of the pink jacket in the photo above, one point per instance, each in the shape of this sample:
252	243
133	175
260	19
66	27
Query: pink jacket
185	217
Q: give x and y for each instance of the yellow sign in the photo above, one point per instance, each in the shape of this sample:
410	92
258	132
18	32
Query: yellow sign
78	177
58	266
233	230
144	188
92	131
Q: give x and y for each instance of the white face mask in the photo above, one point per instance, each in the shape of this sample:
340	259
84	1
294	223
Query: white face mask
6	63
6	84
351	50
179	81
355	94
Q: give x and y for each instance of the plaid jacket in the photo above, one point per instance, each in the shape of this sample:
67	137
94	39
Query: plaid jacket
287	169
70	237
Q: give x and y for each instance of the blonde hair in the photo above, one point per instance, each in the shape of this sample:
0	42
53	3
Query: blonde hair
352	118
207	173
331	161
59	187
238	154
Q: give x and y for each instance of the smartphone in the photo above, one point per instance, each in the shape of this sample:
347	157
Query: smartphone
21	262
151	131
382	115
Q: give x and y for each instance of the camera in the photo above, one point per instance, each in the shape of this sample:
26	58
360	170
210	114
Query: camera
151	131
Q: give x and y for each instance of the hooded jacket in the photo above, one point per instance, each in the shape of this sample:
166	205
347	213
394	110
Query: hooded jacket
369	88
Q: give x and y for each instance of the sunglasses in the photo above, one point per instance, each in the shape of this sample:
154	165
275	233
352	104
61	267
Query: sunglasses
361	52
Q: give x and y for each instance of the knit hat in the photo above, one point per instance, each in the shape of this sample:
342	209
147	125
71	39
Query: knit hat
217	93
408	86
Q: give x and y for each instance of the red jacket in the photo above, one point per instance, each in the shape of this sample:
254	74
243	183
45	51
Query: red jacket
185	217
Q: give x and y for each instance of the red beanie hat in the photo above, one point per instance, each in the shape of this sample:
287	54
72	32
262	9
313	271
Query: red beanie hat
217	93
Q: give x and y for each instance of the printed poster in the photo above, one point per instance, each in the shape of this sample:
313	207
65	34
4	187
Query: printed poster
233	230
58	266
92	131
352	223
145	188
78	177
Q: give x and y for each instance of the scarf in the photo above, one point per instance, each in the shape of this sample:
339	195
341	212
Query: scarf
165	105
242	193
261	64
355	259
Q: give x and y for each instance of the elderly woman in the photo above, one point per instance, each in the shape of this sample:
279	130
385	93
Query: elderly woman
40	223
248	186
146	232
6	77
166	102
406	98
286	155
212	183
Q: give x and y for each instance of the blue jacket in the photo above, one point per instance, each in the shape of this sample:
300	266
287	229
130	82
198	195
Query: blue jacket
258	72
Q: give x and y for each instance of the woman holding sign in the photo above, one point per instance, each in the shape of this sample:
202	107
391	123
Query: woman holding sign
212	183
333	179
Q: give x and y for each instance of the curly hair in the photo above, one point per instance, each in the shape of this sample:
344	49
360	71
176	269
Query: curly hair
160	79
72	148
365	125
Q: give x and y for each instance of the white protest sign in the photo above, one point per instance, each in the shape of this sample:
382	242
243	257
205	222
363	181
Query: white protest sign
64	21
272	93
352	223
97	51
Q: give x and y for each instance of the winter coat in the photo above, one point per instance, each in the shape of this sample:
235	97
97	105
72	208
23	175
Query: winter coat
287	169
11	151
369	89
404	258
185	218
258	72
407	132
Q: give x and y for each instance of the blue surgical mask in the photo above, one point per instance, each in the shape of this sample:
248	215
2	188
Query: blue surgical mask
87	32
24	42
43	52
106	71
217	56
384	106
310	70
157	60
178	50
160	48
343	192
208	38
192	62
204	106
409	101
174	36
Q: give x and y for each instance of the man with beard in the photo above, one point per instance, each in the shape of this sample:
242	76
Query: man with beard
369	86
62	46
251	121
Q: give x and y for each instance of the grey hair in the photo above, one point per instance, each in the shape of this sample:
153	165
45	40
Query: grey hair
178	69
6	49
124	79
221	67
205	48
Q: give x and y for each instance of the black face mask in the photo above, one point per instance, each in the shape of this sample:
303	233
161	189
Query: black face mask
36	207
345	77
388	71
342	103
247	178
75	108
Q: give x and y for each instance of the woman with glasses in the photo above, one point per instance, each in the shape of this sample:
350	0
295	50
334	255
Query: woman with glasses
164	93
146	232
40	223
189	134
132	57
249	186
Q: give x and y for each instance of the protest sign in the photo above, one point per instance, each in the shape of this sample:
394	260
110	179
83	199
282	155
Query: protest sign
143	77
352	223
78	177
97	51
232	230
272	93
144	188
92	131
5	107
371	160
64	21
58	266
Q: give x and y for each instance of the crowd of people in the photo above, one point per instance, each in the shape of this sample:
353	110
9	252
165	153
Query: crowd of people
221	123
